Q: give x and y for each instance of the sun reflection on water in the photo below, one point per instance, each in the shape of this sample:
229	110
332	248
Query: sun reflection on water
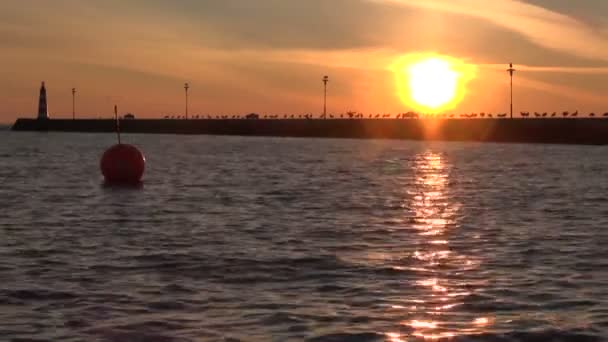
423	324
439	296
394	337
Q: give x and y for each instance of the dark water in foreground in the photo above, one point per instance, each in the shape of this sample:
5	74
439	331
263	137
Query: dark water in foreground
260	239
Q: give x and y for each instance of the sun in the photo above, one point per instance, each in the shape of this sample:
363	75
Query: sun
431	83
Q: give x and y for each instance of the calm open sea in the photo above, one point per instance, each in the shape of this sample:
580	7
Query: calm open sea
269	239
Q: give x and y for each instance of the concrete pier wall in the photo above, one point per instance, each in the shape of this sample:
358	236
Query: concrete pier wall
558	131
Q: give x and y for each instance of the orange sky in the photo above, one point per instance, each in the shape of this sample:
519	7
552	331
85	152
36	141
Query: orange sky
269	56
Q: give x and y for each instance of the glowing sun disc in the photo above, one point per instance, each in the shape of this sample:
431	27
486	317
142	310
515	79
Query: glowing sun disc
432	82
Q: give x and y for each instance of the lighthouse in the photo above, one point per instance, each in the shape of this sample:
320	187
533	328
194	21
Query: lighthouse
43	112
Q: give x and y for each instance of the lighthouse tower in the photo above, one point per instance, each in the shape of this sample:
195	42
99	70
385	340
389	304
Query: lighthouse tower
43	112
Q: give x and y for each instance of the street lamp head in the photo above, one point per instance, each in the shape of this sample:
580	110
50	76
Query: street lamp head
186	86
511	70
325	79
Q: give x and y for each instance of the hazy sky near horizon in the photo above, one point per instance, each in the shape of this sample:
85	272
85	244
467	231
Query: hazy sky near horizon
269	56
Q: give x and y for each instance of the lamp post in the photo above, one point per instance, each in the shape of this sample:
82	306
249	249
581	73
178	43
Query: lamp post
325	80
511	71
186	87
73	103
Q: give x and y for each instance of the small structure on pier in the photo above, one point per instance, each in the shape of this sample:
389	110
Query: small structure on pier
43	113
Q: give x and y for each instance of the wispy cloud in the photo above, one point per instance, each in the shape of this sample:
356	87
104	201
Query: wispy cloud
581	96
550	69
542	26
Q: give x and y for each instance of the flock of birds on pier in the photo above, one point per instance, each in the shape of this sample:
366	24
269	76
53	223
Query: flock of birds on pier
407	115
555	114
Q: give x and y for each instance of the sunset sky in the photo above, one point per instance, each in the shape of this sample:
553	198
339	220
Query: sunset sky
269	56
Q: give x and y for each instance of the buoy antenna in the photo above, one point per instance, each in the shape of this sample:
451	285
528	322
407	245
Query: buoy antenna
117	123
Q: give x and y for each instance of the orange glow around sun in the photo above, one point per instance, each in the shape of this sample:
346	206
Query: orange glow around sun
431	83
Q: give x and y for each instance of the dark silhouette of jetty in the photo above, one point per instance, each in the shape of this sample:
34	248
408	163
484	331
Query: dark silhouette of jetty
542	129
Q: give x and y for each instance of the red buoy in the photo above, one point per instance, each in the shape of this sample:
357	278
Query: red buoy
123	164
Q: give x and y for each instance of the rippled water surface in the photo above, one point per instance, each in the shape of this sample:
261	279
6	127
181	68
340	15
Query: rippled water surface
260	239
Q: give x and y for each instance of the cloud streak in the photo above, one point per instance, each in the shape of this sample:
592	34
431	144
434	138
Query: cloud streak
550	69
542	26
563	90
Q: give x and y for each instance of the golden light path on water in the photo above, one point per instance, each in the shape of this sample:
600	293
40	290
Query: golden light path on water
434	311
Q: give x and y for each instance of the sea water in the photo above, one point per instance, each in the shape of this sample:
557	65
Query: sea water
273	239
